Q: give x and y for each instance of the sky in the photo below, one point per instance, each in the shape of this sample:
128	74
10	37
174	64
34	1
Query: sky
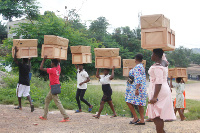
183	14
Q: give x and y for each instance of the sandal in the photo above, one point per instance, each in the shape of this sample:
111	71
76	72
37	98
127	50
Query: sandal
113	116
42	118
32	108
65	120
96	116
149	120
138	123
131	122
18	108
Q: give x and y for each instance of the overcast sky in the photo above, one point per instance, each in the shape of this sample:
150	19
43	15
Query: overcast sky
183	14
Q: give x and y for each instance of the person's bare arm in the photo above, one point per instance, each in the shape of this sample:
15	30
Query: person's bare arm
183	80
137	89
113	73
76	66
97	73
15	56
156	92
42	64
87	80
171	86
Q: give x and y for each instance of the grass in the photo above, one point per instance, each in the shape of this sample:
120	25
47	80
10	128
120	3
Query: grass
40	88
192	82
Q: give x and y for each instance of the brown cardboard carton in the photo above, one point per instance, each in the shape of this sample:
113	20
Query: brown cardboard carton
163	38
25	42
54	52
108	62
55	40
154	21
80	49
82	58
131	63
25	52
126	71
177	72
106	52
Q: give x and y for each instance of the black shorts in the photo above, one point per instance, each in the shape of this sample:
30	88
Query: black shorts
107	92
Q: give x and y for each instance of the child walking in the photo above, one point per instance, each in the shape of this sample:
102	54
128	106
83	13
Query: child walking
23	86
180	87
54	73
107	91
82	80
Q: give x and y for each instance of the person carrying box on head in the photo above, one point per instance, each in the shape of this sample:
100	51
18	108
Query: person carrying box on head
82	80
54	73
23	86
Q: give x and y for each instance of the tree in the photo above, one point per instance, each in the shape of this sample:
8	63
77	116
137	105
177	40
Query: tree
18	9
180	57
3	30
98	29
195	58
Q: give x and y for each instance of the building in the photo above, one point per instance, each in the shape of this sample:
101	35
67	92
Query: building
14	24
193	72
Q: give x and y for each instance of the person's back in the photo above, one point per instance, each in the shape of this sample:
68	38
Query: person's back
24	70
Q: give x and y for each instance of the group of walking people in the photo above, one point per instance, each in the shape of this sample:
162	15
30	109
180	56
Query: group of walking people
160	105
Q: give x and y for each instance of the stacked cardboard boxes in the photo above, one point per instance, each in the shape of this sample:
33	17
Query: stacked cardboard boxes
156	33
178	72
81	54
55	47
107	58
129	64
27	48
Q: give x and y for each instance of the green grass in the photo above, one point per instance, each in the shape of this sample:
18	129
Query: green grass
40	88
193	108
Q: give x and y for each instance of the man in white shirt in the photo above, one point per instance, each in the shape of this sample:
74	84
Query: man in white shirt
82	79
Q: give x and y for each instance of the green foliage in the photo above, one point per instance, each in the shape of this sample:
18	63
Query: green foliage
195	58
193	108
3	30
19	8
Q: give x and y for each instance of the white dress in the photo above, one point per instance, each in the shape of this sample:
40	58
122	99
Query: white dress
180	87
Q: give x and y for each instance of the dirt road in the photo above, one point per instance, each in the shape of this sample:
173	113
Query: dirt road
16	121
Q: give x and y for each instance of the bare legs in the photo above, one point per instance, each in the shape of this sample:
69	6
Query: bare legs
180	111
141	110
131	107
19	100
102	106
159	125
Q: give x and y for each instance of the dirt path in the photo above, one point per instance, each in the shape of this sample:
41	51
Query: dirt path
16	121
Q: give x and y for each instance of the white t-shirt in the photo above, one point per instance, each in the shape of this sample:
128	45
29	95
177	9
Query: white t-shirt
81	77
105	79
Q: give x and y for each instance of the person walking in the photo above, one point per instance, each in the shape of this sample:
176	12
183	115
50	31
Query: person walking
160	107
136	92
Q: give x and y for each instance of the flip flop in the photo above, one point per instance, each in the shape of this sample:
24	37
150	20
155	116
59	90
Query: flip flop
149	120
95	116
139	123
131	122
77	111
65	120
18	108
42	118
90	109
113	116
32	108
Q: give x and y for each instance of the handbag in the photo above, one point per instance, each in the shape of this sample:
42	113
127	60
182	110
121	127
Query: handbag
130	79
55	89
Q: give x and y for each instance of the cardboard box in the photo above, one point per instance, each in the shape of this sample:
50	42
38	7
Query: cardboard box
163	38
25	52
82	58
106	52
177	72
54	52
131	63
108	62
154	21
80	49
25	42
126	71
55	40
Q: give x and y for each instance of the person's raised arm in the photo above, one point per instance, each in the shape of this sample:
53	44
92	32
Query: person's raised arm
42	64
171	86
183	80
76	66
113	73
97	73
15	55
